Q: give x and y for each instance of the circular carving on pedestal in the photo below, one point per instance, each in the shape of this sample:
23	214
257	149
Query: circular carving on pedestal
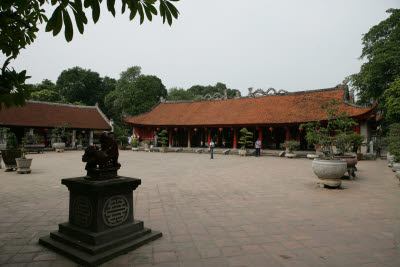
82	211
115	211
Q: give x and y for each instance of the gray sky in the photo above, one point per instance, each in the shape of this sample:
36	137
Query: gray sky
286	44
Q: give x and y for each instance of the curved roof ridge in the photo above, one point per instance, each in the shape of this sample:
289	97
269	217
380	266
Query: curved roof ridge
59	104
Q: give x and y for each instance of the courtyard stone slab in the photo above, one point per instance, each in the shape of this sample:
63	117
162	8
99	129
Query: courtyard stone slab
229	211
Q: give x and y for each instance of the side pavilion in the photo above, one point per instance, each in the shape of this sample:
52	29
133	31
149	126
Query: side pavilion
272	117
41	118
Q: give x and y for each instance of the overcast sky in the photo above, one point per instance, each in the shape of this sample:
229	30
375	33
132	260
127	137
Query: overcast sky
286	44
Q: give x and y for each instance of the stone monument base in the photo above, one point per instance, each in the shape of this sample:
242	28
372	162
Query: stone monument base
101	224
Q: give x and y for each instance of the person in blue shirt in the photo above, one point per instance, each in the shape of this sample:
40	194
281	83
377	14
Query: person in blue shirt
212	145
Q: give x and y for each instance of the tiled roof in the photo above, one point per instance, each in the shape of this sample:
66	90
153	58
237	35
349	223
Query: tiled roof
44	114
277	109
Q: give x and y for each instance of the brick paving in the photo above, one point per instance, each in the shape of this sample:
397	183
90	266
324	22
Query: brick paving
230	211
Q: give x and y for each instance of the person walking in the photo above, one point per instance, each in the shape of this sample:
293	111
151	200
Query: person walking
212	145
258	147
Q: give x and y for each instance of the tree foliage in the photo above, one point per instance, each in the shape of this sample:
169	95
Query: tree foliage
86	86
180	94
200	90
382	52
245	138
19	20
337	130
393	101
163	138
392	141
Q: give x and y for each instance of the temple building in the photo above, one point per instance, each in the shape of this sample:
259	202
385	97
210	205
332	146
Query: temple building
272	116
41	118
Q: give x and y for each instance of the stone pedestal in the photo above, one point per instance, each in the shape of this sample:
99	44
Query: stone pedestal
101	222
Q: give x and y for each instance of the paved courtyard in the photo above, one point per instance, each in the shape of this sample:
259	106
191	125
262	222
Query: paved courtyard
230	211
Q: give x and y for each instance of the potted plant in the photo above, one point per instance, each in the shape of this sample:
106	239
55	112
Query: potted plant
345	141
245	140
33	143
290	147
392	141
11	153
23	164
79	142
3	137
135	144
163	140
330	169
59	135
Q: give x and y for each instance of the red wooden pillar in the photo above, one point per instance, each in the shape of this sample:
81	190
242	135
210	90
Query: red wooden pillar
189	137
209	137
234	138
287	133
170	137
260	135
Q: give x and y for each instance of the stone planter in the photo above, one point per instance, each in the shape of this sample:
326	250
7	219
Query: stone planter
290	155
163	149
135	149
59	147
23	165
396	167
79	147
329	172
390	159
351	164
243	152
312	156
9	156
38	148
3	146
0	161
398	175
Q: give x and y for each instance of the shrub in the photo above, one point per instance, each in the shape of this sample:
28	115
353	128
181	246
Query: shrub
291	145
12	142
245	138
163	138
392	141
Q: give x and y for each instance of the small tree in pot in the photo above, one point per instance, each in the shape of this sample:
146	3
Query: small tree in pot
245	140
337	130
392	141
12	152
291	146
163	140
59	135
23	164
33	143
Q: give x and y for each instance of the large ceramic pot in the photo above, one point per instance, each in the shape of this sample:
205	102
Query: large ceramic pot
390	159
290	155
312	156
350	160
396	167
242	152
23	165
35	148
329	172
9	156
59	146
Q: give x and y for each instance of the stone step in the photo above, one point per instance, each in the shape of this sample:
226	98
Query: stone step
87	259
93	249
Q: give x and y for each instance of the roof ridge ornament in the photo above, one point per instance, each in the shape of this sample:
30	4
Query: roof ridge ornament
209	97
260	92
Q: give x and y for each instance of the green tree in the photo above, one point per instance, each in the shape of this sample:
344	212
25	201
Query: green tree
46	95
200	90
46	84
382	54
85	86
134	94
179	94
393	101
19	20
